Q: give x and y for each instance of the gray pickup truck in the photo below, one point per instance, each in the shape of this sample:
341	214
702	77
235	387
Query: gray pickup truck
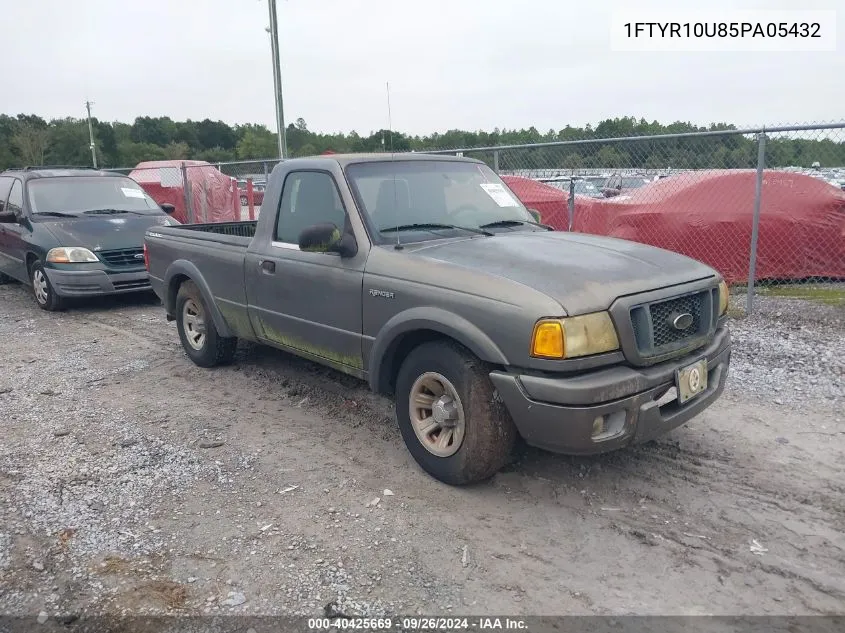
425	276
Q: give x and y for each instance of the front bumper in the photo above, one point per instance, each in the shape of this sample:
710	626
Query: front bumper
89	283
557	414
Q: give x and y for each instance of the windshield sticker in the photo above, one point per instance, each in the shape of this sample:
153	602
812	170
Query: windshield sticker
499	194
132	193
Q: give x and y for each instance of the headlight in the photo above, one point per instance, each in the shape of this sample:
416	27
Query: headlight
574	336
724	294
71	255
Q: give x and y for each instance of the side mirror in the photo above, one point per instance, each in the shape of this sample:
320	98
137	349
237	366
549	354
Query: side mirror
326	238
536	215
8	217
168	208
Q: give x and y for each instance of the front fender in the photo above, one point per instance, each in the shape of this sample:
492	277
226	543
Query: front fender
434	319
184	268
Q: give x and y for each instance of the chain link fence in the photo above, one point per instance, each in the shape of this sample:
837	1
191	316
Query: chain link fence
205	192
765	207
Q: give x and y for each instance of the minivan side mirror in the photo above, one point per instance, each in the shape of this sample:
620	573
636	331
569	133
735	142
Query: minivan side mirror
168	208
327	238
8	217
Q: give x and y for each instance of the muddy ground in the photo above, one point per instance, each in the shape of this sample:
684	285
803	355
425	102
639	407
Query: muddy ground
132	481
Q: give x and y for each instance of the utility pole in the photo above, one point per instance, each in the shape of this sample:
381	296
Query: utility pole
277	81
88	105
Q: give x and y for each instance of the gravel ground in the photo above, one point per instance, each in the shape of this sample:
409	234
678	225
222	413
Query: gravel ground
133	482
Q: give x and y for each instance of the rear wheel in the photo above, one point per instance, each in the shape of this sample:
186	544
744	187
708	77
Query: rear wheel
451	421
42	289
200	339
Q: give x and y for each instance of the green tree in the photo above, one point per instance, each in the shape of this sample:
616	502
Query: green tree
133	153
155	130
215	134
215	155
573	160
69	142
32	143
257	142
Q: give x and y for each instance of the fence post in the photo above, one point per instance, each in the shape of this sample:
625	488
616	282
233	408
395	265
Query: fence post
755	222
266	175
186	192
250	199
571	203
496	161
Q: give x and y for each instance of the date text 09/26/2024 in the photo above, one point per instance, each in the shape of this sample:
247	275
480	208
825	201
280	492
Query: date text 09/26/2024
418	623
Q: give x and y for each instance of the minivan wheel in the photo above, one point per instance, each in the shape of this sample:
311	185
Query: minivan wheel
452	423
197	332
42	289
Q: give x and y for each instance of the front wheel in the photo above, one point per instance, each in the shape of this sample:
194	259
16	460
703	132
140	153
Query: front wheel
453	424
199	336
42	289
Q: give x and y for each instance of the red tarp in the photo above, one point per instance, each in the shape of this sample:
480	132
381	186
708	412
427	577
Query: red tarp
707	215
214	195
550	202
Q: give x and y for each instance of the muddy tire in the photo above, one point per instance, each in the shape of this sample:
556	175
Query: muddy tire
200	338
42	289
451	421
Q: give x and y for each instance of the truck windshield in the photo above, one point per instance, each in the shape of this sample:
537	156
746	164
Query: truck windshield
76	195
430	199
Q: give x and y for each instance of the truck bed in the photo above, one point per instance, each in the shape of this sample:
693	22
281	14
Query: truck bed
233	233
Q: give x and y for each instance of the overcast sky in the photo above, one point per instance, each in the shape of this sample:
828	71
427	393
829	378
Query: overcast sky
470	64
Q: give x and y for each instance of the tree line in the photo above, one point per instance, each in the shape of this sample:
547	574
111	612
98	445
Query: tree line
27	139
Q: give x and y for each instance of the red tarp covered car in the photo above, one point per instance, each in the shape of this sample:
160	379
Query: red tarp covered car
214	195
708	214
549	201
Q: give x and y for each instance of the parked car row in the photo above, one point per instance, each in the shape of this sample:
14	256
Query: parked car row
257	192
707	215
424	276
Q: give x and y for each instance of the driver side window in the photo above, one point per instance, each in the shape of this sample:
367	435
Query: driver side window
308	198
15	203
5	186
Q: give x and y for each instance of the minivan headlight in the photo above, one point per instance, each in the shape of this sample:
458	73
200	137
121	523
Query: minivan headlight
71	255
572	337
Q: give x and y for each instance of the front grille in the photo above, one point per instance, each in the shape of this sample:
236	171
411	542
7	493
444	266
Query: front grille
123	258
656	330
138	284
662	315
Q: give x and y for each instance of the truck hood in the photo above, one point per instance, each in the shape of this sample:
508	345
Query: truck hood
106	232
584	273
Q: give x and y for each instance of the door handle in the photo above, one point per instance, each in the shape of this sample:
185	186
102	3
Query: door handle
268	266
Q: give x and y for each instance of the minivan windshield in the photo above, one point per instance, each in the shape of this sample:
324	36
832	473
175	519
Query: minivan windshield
430	199
89	195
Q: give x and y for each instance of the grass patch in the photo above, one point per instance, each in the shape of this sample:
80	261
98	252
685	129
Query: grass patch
171	594
827	296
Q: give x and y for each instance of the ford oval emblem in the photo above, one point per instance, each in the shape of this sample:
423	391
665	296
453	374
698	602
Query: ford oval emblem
682	321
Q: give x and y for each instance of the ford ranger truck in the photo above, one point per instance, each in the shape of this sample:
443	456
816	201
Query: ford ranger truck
425	276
